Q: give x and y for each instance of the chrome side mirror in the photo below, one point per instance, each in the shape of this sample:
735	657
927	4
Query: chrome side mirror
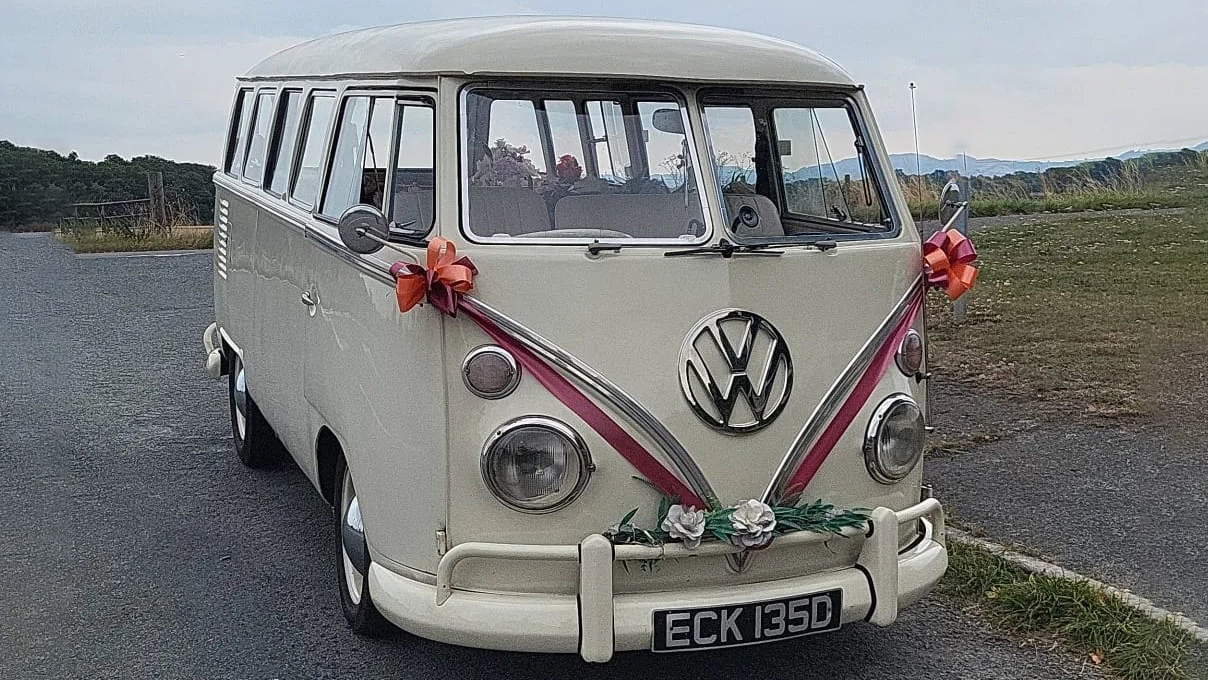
950	202
364	229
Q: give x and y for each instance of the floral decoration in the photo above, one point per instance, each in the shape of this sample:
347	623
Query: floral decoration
505	166
750	524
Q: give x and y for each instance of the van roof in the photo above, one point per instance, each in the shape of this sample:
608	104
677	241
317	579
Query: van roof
558	46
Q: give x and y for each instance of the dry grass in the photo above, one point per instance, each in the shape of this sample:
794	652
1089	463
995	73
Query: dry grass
182	239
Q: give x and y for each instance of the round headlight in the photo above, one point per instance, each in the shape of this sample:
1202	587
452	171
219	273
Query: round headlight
910	353
490	372
536	464
894	441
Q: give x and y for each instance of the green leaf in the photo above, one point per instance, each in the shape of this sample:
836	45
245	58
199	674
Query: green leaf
628	517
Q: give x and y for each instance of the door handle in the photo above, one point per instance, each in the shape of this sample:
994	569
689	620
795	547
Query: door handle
308	299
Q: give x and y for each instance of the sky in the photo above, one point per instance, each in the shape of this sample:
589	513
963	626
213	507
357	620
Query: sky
1019	80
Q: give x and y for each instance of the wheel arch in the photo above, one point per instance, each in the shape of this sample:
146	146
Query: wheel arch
328	452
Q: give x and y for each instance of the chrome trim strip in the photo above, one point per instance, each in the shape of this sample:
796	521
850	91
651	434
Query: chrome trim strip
833	399
637	415
373	268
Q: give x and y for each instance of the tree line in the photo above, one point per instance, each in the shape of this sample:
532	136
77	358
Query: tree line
38	187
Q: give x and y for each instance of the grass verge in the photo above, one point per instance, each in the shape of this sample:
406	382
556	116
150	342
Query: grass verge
1096	625
112	243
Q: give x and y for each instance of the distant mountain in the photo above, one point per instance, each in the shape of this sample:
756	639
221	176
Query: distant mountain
969	166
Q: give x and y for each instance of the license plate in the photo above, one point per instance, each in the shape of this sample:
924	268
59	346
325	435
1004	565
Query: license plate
678	630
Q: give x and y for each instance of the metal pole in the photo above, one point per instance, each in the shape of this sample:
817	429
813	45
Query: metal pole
959	307
914	116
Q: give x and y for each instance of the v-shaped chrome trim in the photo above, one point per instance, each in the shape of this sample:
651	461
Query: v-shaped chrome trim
833	399
634	412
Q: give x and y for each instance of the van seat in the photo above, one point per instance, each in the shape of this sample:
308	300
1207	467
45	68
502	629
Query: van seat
510	211
769	215
639	215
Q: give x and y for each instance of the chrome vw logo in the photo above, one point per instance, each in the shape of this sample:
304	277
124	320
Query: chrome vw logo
735	371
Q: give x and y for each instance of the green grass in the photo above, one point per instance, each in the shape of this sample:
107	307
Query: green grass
112	243
1097	626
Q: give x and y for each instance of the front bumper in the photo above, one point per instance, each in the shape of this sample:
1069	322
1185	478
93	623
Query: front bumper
597	622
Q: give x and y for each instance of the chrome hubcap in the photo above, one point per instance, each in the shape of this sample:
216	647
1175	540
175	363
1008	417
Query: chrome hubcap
352	529
240	395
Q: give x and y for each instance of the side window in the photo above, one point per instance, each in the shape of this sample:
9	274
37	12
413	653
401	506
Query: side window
812	143
732	133
608	136
513	135
237	141
262	125
285	141
306	180
360	157
564	136
413	201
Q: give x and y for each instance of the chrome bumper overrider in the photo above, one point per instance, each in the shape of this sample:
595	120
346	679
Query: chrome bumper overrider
213	344
597	621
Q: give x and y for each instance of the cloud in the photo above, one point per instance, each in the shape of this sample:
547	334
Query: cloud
1024	79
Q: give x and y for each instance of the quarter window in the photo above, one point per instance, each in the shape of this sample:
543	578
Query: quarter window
262	125
361	155
413	201
306	181
237	143
285	142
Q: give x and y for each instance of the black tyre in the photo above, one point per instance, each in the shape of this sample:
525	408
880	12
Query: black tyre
355	599
255	442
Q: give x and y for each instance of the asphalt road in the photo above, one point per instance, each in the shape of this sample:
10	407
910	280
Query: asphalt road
1123	504
135	545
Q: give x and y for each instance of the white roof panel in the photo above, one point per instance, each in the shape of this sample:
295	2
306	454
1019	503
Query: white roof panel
566	46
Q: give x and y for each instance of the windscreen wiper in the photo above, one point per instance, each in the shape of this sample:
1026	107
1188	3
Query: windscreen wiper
727	250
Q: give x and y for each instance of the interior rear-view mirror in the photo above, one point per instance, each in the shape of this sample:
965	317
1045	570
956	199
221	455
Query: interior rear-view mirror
668	120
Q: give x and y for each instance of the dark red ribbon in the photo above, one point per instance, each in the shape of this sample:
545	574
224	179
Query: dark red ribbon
442	282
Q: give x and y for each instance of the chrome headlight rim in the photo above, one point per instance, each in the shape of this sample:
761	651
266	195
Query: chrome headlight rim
586	465
900	356
500	352
872	439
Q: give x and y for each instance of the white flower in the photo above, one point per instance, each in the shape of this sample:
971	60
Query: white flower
686	524
753	523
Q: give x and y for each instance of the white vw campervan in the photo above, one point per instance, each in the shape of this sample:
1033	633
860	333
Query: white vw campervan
597	334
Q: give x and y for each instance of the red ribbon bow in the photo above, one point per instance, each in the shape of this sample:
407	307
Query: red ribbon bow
947	256
442	282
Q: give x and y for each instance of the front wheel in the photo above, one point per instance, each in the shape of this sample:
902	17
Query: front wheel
355	599
255	443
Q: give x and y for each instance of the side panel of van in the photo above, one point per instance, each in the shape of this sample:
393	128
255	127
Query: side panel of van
280	317
234	286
